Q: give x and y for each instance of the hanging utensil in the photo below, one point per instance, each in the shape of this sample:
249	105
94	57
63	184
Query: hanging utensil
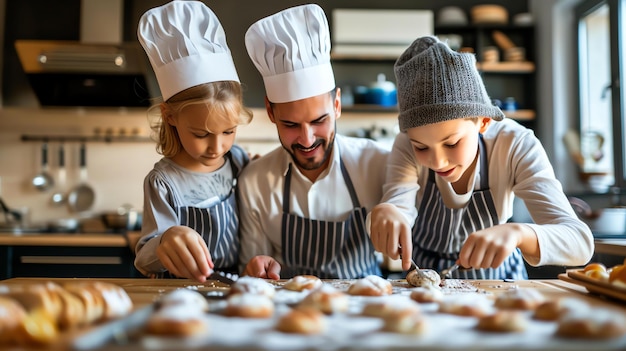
43	181
59	197
82	197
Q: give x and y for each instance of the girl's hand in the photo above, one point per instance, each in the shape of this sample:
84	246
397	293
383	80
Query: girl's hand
263	267
184	253
488	248
391	233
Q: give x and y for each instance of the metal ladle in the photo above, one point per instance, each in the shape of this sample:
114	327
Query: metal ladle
82	197
59	197
43	181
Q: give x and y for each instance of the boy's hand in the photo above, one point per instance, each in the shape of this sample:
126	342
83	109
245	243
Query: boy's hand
488	248
263	267
184	253
390	231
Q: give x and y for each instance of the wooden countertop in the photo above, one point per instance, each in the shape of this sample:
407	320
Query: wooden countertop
71	239
144	292
611	246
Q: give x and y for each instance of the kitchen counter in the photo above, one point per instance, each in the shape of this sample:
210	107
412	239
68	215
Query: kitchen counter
611	247
70	239
68	255
144	292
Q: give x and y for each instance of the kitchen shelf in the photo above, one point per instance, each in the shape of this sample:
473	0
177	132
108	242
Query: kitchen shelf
506	67
90	138
520	115
369	108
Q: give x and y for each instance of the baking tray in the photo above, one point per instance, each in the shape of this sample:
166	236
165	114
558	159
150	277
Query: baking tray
594	285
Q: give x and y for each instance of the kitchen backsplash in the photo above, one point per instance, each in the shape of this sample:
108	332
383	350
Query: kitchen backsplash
115	170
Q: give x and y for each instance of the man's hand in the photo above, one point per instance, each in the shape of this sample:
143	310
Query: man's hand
263	267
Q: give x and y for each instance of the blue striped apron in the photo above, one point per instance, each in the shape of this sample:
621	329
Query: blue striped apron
327	249
218	225
440	232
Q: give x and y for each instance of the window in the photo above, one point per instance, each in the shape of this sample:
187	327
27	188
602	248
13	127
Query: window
601	53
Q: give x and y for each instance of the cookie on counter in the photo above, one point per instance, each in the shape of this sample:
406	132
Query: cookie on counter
426	294
519	299
405	321
371	285
503	321
183	296
423	277
381	309
249	305
466	305
252	285
176	320
326	299
302	283
302	320
554	309
596	323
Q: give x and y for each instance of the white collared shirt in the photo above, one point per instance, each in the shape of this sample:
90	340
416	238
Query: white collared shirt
261	185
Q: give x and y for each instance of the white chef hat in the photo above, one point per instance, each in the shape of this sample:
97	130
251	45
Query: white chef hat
186	45
291	50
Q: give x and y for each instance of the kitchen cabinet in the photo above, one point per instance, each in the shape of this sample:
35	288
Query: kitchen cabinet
67	255
67	262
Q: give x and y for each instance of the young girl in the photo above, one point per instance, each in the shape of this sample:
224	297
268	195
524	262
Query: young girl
190	220
453	174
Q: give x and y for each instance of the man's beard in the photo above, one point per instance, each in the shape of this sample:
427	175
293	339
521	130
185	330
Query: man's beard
310	164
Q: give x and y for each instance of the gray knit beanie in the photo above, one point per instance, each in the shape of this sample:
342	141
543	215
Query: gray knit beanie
437	84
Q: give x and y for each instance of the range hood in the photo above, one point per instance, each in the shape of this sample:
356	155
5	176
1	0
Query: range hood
98	70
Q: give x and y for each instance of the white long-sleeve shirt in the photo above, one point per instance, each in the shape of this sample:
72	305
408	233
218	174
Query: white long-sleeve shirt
261	192
518	166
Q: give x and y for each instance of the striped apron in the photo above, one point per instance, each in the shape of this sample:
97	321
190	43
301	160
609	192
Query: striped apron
327	249
440	232
218	225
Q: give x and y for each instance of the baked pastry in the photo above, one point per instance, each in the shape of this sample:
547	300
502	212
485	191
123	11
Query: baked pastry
503	321
466	305
592	324
249	306
372	285
304	320
11	315
187	297
427	293
384	308
423	277
555	309
41	297
597	271
252	285
303	282
72	311
617	275
37	328
117	303
176	320
326	299
91	300
519	299
405	322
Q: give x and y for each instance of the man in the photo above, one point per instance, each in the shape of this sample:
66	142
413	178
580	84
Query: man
303	205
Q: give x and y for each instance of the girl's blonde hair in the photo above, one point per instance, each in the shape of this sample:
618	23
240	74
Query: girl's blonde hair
223	99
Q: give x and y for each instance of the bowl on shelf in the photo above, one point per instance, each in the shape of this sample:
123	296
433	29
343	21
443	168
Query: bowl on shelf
451	16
